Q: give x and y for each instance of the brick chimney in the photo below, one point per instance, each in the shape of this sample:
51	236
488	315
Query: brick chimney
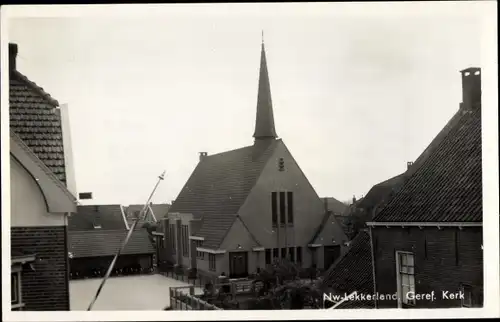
12	56
471	86
203	155
408	165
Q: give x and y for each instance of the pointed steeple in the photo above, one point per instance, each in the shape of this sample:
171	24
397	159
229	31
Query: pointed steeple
264	122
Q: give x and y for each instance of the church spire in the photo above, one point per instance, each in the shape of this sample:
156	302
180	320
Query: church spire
264	122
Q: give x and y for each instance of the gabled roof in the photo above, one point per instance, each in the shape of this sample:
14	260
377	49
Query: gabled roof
353	271
95	243
57	197
447	186
214	229
379	194
334	205
35	119
108	217
220	184
329	217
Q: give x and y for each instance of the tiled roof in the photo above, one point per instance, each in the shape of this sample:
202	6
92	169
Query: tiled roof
214	229
109	217
35	119
94	243
353	271
380	193
221	182
447	187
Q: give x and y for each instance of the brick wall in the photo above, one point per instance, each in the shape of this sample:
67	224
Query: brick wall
45	288
443	260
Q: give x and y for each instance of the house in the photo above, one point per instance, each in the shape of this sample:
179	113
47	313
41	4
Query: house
428	237
241	208
96	233
40	200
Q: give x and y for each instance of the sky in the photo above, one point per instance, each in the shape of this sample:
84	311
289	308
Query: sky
356	93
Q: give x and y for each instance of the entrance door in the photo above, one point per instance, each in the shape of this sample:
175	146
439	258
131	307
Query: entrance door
332	253
238	264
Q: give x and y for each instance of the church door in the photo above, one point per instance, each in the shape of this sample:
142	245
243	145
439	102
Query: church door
238	264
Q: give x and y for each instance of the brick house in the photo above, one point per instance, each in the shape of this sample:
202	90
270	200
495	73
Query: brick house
96	232
429	235
242	208
40	200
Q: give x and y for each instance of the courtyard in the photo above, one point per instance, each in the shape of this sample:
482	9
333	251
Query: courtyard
132	293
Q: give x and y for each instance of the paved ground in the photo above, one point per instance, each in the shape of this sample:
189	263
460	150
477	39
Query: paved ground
146	292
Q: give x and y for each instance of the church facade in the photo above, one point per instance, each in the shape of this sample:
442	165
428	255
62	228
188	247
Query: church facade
243	208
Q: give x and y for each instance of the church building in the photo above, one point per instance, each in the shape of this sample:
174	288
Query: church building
243	208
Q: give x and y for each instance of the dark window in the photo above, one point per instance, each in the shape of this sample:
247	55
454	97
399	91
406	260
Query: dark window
172	238
275	253
291	253
211	262
283	253
467	299
282	208
268	256
274	208
185	240
201	255
290	207
299	254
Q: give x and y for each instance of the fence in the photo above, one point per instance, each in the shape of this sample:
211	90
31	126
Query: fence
182	298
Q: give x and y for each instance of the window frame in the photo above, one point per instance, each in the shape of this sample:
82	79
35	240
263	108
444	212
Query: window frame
274	208
172	236
290	206
463	288
16	304
199	255
403	301
212	262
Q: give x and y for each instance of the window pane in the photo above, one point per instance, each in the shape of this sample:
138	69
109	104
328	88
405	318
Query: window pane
14	288
405	279
282	208
411	270
404	260
274	207
405	290
411	280
299	254
410	260
290	207
404	269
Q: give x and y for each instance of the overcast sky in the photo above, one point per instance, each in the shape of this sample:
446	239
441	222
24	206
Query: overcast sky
355	95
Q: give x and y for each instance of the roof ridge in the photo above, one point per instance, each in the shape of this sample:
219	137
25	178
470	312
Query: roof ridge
35	87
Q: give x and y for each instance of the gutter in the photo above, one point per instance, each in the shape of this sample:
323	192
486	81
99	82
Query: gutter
423	224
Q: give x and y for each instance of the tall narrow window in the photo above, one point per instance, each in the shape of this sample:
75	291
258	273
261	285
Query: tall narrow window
282	208
290	207
299	254
185	240
211	262
283	253
268	256
406	277
274	208
275	253
201	255
291	254
172	238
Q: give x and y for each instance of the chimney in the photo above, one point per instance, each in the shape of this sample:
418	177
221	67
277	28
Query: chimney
203	155
353	199
471	86
12	56
408	165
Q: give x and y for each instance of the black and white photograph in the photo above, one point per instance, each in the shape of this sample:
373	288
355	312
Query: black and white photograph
315	157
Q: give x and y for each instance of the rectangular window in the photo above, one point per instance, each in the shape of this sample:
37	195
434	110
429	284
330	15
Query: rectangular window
299	254
185	240
290	207
275	253
172	238
211	262
406	276
14	288
291	254
283	253
282	208
268	256
274	208
201	255
467	292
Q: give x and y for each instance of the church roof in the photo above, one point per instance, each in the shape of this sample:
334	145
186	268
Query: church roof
220	183
35	118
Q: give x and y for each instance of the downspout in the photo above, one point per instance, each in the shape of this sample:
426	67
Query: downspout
373	267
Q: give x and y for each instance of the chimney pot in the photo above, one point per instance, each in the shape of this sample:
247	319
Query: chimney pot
203	155
408	164
12	56
471	86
